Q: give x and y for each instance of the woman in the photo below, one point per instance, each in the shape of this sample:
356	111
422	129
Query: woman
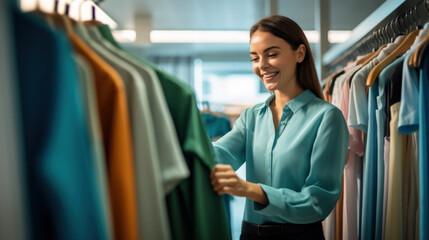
294	144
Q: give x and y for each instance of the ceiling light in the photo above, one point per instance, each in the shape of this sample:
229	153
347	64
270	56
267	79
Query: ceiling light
161	36
124	35
312	36
177	36
338	36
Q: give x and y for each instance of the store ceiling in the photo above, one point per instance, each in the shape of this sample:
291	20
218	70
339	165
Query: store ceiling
228	15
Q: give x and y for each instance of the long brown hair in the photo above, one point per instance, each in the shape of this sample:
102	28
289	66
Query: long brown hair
285	28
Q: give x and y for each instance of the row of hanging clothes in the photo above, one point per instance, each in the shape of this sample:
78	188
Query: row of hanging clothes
383	94
111	146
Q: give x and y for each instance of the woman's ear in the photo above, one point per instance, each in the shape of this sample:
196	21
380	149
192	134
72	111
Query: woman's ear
300	53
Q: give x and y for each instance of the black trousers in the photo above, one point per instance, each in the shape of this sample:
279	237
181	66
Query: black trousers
277	231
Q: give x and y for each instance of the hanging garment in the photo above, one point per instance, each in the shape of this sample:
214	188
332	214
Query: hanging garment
333	225
380	114
146	157
352	171
401	156
173	165
195	210
361	111
86	78
216	126
113	110
386	183
12	201
170	165
63	199
408	124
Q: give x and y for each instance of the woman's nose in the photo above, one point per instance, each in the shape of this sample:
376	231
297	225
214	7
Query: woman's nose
263	63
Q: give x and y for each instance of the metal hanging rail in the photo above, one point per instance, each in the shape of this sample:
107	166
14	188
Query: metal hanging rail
383	15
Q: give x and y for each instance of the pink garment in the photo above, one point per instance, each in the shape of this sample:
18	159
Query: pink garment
352	170
386	181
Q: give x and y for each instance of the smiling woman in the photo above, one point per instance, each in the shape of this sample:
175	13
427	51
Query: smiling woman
294	144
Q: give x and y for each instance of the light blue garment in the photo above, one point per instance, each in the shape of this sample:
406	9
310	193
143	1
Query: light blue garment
370	170
380	115
423	149
408	111
299	167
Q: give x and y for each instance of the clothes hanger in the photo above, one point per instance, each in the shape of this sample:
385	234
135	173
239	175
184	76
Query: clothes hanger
62	21
93	22
401	49
377	37
368	47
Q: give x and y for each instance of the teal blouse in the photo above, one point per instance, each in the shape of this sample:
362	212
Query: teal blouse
299	167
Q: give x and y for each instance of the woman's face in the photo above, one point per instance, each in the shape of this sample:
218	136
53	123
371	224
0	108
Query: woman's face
274	61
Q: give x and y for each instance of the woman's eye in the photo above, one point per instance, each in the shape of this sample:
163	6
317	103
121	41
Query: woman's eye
272	55
254	59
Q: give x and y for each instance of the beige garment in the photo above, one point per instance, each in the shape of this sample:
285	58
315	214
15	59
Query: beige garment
394	228
329	225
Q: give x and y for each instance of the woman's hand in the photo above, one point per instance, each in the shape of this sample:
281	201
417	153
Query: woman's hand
225	180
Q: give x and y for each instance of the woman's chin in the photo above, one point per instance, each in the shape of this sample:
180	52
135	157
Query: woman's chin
270	87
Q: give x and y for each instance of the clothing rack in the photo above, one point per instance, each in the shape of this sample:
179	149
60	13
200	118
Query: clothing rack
375	29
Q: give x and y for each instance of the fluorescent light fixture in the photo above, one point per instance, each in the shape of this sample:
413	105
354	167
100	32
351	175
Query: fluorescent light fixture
338	36
312	36
124	35
161	36
178	36
79	10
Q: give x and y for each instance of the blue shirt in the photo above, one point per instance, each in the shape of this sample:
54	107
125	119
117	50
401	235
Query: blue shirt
299	167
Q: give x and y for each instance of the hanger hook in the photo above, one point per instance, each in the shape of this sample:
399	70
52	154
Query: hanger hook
386	33
407	25
399	32
390	29
419	25
414	25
